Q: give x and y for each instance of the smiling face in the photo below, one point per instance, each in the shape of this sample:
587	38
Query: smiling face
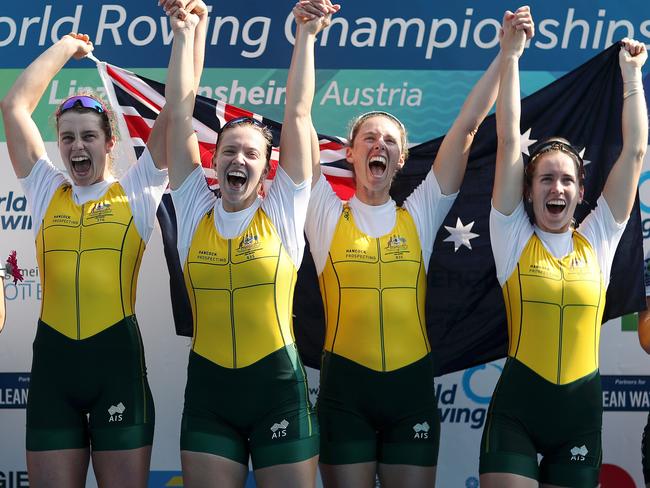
376	154
241	166
84	146
555	191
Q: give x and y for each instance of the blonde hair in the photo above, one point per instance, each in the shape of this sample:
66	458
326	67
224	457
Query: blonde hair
356	123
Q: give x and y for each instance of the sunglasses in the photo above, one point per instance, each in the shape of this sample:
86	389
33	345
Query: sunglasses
243	120
555	145
81	101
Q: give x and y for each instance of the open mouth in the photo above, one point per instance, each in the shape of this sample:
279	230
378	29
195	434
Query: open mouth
377	165
236	179
80	164
556	206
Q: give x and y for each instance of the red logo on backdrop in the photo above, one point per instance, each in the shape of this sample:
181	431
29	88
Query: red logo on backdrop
612	476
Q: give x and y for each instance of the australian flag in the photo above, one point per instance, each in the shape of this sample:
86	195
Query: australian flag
465	314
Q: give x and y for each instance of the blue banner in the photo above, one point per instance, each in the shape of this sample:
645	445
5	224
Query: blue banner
626	393
14	388
399	35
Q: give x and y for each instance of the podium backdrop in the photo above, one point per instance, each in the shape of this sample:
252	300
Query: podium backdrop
416	59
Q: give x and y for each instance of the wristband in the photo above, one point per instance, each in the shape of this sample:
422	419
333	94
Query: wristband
632	91
632	87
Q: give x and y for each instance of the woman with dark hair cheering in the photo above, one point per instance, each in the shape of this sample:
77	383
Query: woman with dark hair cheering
548	399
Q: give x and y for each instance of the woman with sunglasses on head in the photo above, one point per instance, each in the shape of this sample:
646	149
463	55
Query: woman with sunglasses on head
89	394
548	400
377	407
240	255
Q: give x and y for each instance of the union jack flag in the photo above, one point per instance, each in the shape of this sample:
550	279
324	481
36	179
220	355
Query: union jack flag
138	101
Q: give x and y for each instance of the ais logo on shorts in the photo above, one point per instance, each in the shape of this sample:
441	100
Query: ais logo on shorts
115	412
579	453
421	431
279	430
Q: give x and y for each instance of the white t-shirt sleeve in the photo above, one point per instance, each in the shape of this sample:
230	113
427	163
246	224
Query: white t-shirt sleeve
508	237
39	187
144	185
603	233
191	202
286	205
428	207
323	214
